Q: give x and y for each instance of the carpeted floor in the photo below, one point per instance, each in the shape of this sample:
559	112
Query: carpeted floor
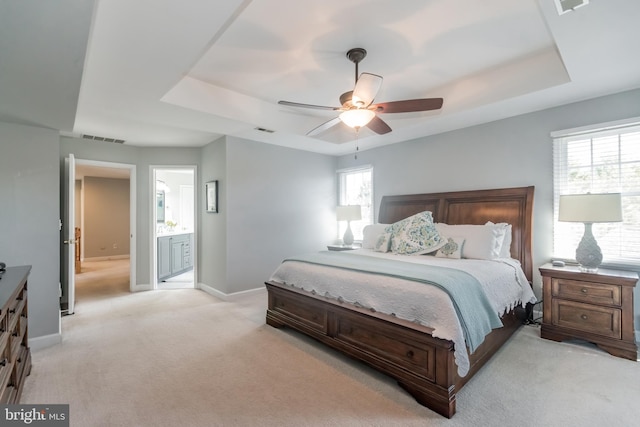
184	358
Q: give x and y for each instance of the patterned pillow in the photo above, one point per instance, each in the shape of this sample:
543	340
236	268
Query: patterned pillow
452	249
383	243
415	235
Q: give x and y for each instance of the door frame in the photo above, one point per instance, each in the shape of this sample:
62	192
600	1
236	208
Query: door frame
153	229
133	287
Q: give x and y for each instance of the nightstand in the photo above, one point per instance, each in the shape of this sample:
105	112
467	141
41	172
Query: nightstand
340	248
595	307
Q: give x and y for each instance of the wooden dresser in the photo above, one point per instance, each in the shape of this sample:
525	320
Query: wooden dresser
596	307
15	356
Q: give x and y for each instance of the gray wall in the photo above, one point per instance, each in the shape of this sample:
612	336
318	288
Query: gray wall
29	212
267	194
212	242
507	153
273	202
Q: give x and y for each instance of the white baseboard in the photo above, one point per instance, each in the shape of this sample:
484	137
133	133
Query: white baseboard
38	343
229	297
140	288
106	258
537	315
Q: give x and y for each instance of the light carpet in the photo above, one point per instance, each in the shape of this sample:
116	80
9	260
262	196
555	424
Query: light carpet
184	358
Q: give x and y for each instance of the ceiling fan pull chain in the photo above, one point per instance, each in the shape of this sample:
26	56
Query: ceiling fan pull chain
355	156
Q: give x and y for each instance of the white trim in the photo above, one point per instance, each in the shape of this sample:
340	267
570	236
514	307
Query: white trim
142	287
132	211
537	314
45	341
106	258
229	297
633	121
355	168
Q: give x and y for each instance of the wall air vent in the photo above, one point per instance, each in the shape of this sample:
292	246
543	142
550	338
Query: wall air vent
565	6
265	130
102	138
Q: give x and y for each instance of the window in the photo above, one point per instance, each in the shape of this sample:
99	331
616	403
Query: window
603	159
356	188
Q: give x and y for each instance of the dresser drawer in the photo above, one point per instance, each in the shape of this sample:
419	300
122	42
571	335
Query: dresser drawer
5	376
593	293
594	319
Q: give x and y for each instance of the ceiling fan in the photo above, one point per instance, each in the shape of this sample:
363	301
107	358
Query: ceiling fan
357	105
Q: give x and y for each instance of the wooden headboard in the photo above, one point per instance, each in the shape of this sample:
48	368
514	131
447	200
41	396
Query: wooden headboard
510	205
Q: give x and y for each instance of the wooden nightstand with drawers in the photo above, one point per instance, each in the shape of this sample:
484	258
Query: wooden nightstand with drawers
595	307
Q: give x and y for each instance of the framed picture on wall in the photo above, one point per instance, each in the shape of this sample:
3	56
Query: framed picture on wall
211	191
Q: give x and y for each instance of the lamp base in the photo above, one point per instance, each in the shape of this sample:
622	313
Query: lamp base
588	253
347	239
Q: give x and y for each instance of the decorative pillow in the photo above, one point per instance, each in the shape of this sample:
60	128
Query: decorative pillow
370	234
480	241
505	250
383	244
452	249
415	235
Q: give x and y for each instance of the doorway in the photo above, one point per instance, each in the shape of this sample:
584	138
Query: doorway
174	227
104	212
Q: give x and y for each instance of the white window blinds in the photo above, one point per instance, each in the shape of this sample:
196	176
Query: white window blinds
605	159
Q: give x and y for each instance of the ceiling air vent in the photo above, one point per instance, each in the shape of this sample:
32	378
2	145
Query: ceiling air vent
565	6
102	138
265	130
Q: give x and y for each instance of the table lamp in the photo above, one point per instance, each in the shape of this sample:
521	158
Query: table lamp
348	213
589	208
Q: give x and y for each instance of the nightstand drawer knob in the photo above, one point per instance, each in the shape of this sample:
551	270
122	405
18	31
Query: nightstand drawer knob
584	317
585	290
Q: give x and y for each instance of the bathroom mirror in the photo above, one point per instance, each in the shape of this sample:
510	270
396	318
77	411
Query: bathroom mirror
160	206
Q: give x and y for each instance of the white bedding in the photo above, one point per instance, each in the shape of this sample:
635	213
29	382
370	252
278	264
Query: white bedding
503	281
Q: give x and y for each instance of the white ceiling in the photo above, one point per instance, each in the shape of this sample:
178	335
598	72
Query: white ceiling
184	73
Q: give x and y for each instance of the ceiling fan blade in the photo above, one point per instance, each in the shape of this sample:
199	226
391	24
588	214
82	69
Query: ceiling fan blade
324	126
366	89
408	105
315	107
379	126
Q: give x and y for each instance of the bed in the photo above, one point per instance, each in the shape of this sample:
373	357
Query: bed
413	353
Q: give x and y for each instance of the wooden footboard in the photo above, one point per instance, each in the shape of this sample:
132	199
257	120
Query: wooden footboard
423	365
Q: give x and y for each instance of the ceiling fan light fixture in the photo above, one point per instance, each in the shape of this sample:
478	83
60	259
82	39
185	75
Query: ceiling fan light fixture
357	118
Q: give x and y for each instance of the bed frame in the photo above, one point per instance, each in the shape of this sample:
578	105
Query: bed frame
422	365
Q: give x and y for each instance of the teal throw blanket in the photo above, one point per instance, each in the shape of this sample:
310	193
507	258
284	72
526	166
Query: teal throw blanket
474	310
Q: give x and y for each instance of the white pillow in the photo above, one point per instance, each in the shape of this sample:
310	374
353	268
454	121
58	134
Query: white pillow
505	250
480	242
383	244
415	235
452	249
370	234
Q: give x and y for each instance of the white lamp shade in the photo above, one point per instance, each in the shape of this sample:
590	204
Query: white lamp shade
602	207
349	213
357	118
